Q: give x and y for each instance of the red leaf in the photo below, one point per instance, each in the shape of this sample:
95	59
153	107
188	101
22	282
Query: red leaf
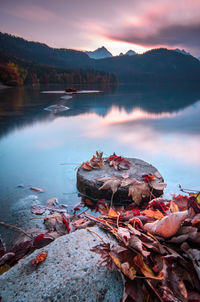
20	251
38	190
41	240
66	223
111	157
148	178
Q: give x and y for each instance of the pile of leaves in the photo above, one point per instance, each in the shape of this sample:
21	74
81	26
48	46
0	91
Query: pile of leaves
137	189
96	162
158	251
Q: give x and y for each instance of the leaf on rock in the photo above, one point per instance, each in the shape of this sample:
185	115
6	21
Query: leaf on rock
111	183
145	269
38	190
86	166
167	226
95	163
42	240
38	210
40	258
138	190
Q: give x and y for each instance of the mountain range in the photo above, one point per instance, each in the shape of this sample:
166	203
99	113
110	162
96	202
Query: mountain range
102	53
154	65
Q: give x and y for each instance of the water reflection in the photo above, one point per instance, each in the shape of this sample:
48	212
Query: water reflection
160	126
20	107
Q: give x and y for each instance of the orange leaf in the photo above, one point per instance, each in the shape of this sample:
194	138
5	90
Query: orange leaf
153	214
39	258
112	213
173	206
86	166
145	269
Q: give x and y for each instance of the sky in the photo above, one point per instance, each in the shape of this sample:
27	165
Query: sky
119	25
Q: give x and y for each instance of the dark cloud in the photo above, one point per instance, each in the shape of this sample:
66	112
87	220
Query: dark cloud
172	35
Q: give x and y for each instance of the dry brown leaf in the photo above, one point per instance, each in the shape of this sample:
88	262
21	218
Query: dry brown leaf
138	190
124	234
111	183
145	269
168	226
128	181
130	272
136	243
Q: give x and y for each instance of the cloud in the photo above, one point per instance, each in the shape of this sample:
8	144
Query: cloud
171	35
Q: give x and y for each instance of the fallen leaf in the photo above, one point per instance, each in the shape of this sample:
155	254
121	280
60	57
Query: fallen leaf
145	269
51	202
124	234
38	190
20	250
42	240
5	258
153	214
167	226
138	190
128	271
136	243
111	183
197	196
66	222
38	210
112	213
173	206
86	166
4	268
40	258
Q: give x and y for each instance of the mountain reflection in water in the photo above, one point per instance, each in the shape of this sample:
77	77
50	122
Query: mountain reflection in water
159	125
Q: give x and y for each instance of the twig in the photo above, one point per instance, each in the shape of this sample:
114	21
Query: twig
187	190
72	164
96	234
15	227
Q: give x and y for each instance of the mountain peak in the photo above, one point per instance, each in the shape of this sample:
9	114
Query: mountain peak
99	53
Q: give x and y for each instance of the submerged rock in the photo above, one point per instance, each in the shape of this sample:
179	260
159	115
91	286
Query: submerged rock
69	273
56	108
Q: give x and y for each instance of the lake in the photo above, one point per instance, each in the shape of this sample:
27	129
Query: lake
41	148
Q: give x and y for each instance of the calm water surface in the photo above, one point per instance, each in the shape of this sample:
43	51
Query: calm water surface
158	125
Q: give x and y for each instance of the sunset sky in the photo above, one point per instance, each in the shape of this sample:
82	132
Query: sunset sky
119	25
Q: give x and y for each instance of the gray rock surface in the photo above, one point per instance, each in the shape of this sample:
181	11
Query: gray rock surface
88	185
70	273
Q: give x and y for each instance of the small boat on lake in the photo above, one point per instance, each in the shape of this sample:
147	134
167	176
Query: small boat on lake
71	90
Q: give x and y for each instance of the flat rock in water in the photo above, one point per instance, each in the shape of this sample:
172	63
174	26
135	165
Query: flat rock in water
69	273
88	184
